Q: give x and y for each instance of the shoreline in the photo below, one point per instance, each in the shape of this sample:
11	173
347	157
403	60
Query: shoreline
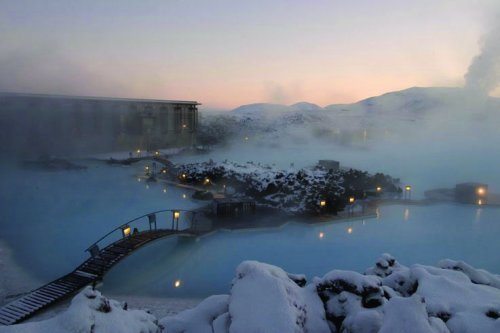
15	280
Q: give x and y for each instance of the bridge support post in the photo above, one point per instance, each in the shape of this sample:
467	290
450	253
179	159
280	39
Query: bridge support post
152	221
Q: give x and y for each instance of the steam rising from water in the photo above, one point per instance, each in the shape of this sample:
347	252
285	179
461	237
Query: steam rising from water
483	75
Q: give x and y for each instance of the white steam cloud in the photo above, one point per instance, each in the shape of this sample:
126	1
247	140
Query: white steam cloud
483	75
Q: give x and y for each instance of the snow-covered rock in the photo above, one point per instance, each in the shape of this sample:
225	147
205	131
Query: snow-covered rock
263	298
90	312
292	190
389	297
409	315
210	313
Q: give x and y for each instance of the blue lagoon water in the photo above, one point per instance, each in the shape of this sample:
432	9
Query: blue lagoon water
48	219
413	234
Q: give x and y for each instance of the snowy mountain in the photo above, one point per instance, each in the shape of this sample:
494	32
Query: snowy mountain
305	106
394	112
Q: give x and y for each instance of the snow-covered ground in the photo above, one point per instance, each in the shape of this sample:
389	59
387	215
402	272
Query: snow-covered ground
451	297
89	311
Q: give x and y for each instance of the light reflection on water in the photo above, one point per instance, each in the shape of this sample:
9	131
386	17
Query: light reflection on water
207	266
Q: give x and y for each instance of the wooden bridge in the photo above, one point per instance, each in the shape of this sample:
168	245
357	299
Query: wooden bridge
116	245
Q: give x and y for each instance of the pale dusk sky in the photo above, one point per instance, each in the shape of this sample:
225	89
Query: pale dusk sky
224	53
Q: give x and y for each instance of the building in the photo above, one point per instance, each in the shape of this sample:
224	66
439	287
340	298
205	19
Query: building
55	124
224	207
329	164
471	193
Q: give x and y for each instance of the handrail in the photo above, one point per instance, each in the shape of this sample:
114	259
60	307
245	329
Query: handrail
135	219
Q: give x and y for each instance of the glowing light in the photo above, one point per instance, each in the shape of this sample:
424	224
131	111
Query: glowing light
480	202
126	231
177	283
246	138
481	191
351	200
183	176
322	203
408	188
138	151
184	125
164	190
379	189
147	168
157	153
184	196
164	171
321	235
349	230
207	181
177	214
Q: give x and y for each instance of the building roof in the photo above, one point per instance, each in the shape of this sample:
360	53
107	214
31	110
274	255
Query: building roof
471	184
233	200
111	99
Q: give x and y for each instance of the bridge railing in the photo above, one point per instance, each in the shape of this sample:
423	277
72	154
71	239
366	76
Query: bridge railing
167	219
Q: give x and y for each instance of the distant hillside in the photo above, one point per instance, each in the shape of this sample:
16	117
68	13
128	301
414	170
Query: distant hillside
417	102
397	111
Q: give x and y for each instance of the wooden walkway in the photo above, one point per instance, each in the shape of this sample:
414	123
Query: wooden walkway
90	272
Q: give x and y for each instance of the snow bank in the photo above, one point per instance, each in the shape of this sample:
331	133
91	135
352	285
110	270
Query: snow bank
389	297
91	312
451	298
201	319
265	299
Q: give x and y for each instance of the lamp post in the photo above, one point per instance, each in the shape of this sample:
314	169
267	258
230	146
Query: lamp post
352	200
175	219
408	192
322	205
126	231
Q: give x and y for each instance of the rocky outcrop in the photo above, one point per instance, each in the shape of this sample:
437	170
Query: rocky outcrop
389	297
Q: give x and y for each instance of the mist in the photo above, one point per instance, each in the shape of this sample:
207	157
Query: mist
483	75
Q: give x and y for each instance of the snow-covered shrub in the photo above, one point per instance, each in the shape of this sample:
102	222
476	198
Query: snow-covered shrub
90	312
